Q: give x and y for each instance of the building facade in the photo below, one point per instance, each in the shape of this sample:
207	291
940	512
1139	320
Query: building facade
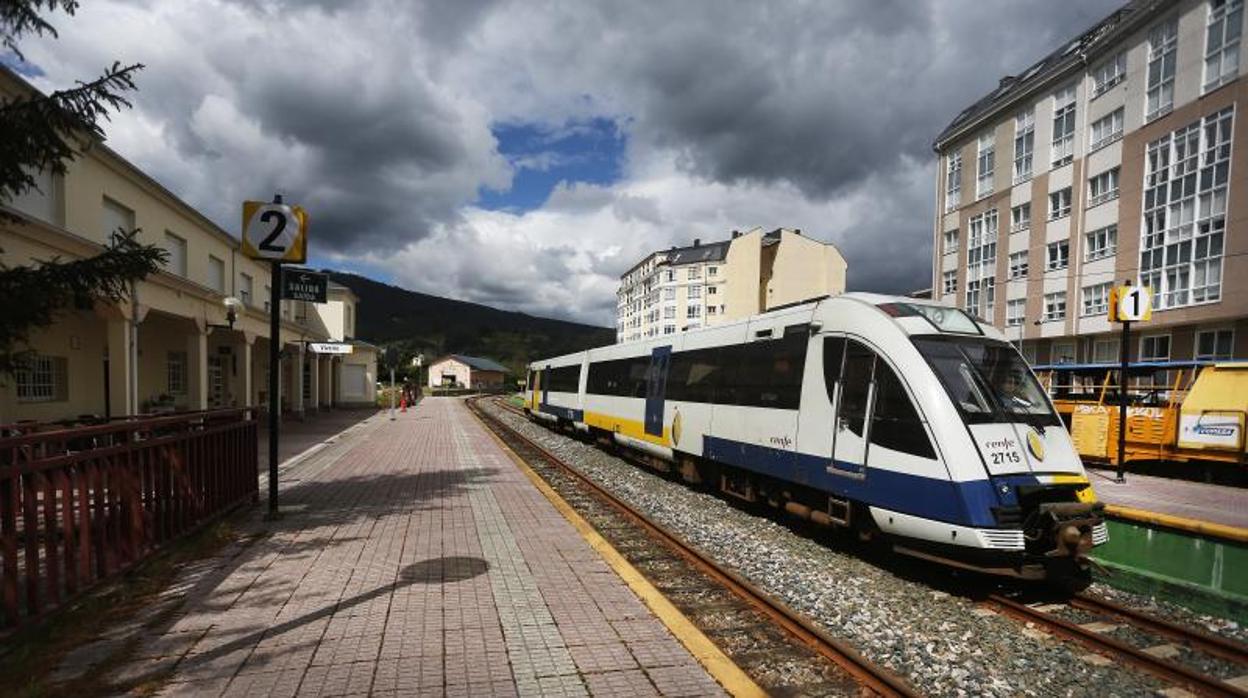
470	372
171	345
685	288
1119	157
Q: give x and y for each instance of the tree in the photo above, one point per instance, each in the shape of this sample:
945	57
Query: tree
43	133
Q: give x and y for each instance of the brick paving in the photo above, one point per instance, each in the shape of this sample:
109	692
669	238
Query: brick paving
414	558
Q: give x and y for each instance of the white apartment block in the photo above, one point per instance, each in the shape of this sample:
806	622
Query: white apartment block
1111	159
684	288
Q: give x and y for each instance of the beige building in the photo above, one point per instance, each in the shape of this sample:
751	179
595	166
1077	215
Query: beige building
171	346
469	372
1111	159
706	284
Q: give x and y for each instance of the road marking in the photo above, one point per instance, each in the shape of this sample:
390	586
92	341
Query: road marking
716	663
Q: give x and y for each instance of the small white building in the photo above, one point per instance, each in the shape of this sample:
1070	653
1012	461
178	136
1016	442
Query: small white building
468	372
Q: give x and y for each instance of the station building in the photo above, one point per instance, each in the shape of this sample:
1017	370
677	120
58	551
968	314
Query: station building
469	372
1111	159
171	345
706	284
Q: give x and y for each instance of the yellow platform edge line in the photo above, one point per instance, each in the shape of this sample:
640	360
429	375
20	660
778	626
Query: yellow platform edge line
708	654
1204	528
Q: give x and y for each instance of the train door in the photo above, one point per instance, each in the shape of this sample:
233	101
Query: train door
544	377
656	389
849	445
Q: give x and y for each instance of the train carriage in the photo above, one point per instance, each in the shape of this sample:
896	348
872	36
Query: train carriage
906	421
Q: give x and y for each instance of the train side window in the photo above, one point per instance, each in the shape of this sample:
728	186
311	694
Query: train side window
833	355
638	375
564	379
856	386
895	423
529	384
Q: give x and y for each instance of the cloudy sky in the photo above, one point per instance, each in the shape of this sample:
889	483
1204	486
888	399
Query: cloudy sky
524	154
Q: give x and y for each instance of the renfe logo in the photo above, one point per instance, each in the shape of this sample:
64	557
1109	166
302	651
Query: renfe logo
999	444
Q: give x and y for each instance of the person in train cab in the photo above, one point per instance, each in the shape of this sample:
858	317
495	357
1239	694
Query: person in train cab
1011	391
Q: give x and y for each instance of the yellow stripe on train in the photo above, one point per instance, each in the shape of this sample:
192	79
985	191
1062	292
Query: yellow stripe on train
1085	493
628	427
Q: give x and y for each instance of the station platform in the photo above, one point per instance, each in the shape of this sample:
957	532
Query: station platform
1193	502
414	557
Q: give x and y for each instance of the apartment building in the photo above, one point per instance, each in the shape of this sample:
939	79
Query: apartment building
172	345
705	284
1111	159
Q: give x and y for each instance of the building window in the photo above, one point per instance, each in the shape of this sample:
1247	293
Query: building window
1015	311
1163	40
1096	299
1106	129
693	273
1020	217
712	290
1024	144
216	274
1103	187
951	241
1185	191
1215	345
1109	73
981	262
1064	353
1105	351
710	310
949	280
245	286
176	247
985	164
1059	204
1101	243
41	378
669	294
712	271
1155	348
175	373
670	275
693	311
1029	353
1018	265
953	180
1055	306
669	329
695	292
1063	126
1058	256
1226	21
116	217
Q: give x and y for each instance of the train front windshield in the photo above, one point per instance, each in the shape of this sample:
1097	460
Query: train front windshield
988	380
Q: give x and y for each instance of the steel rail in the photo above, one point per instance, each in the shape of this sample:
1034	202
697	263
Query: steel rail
1198	639
1163	668
874	677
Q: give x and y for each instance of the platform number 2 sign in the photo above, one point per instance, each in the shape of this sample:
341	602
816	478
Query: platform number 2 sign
275	232
1131	304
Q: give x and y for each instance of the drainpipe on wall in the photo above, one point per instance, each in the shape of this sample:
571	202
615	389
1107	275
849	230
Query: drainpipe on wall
132	354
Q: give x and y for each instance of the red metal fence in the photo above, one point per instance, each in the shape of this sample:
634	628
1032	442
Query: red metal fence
79	505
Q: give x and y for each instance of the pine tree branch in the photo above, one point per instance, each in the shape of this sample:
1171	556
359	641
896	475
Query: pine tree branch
18	17
37	129
34	295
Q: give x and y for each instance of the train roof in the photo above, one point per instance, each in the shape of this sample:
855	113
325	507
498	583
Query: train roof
913	316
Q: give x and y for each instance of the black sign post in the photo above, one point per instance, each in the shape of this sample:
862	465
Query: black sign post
302	285
275	341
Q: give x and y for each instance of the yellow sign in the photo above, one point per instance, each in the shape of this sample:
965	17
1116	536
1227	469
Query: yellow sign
1130	304
1035	445
276	232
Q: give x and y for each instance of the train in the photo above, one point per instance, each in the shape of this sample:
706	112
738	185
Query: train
911	424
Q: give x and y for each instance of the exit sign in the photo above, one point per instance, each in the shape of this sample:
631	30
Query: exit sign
300	285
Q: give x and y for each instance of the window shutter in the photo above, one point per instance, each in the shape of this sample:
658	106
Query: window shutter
60	378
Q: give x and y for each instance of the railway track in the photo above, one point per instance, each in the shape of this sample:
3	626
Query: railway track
1180	655
868	676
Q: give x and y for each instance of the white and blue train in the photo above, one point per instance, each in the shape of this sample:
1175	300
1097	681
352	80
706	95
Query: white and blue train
909	422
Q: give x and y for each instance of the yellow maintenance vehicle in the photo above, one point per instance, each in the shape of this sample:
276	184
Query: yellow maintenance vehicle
1178	411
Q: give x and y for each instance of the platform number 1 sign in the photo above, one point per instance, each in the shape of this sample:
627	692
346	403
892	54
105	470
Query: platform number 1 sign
275	231
1131	304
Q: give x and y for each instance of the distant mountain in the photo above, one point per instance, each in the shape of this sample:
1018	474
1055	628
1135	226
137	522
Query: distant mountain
419	322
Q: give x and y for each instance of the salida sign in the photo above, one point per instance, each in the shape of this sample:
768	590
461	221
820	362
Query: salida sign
300	285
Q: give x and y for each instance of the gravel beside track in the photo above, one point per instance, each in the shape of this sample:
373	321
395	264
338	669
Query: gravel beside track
943	644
